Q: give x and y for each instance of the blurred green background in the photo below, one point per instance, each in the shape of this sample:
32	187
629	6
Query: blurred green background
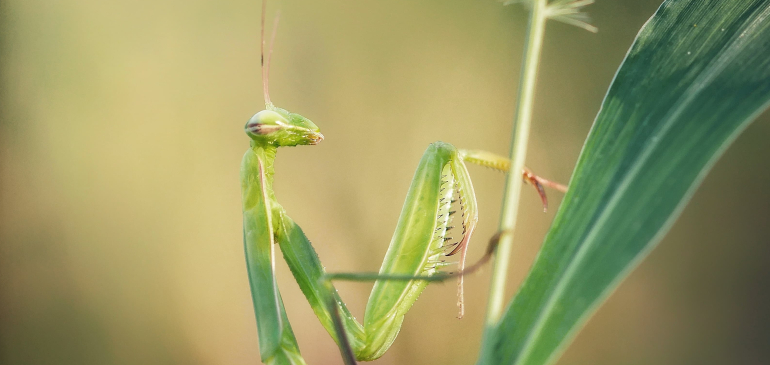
121	135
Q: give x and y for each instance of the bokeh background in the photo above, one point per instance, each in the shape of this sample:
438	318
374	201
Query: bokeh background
121	135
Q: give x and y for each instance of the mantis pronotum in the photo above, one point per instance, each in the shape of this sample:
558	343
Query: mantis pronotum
415	256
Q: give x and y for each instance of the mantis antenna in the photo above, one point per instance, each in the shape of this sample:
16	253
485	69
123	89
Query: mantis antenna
265	64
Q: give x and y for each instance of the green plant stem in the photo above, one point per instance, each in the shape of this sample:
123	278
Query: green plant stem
532	47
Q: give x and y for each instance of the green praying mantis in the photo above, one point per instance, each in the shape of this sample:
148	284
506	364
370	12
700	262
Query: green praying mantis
416	255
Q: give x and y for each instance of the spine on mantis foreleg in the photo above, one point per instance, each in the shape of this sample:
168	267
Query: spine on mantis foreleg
277	343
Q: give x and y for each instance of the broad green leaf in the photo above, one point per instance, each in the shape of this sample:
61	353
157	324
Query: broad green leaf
697	74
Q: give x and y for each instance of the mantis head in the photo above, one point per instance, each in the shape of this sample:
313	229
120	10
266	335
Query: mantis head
278	127
275	126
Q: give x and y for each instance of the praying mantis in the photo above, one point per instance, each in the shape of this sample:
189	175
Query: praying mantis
416	255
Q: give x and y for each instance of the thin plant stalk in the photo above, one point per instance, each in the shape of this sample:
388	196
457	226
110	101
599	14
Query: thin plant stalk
526	97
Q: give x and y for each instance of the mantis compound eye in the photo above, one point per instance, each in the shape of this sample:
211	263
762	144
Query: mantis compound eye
264	122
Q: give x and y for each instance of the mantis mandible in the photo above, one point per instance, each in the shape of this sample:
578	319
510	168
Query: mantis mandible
417	250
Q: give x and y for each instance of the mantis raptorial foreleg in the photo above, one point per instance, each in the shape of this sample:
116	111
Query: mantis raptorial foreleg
415	256
417	249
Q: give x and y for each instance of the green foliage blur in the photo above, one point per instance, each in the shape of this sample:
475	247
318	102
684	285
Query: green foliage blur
121	138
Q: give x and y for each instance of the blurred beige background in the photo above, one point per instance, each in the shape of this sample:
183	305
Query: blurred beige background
121	137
